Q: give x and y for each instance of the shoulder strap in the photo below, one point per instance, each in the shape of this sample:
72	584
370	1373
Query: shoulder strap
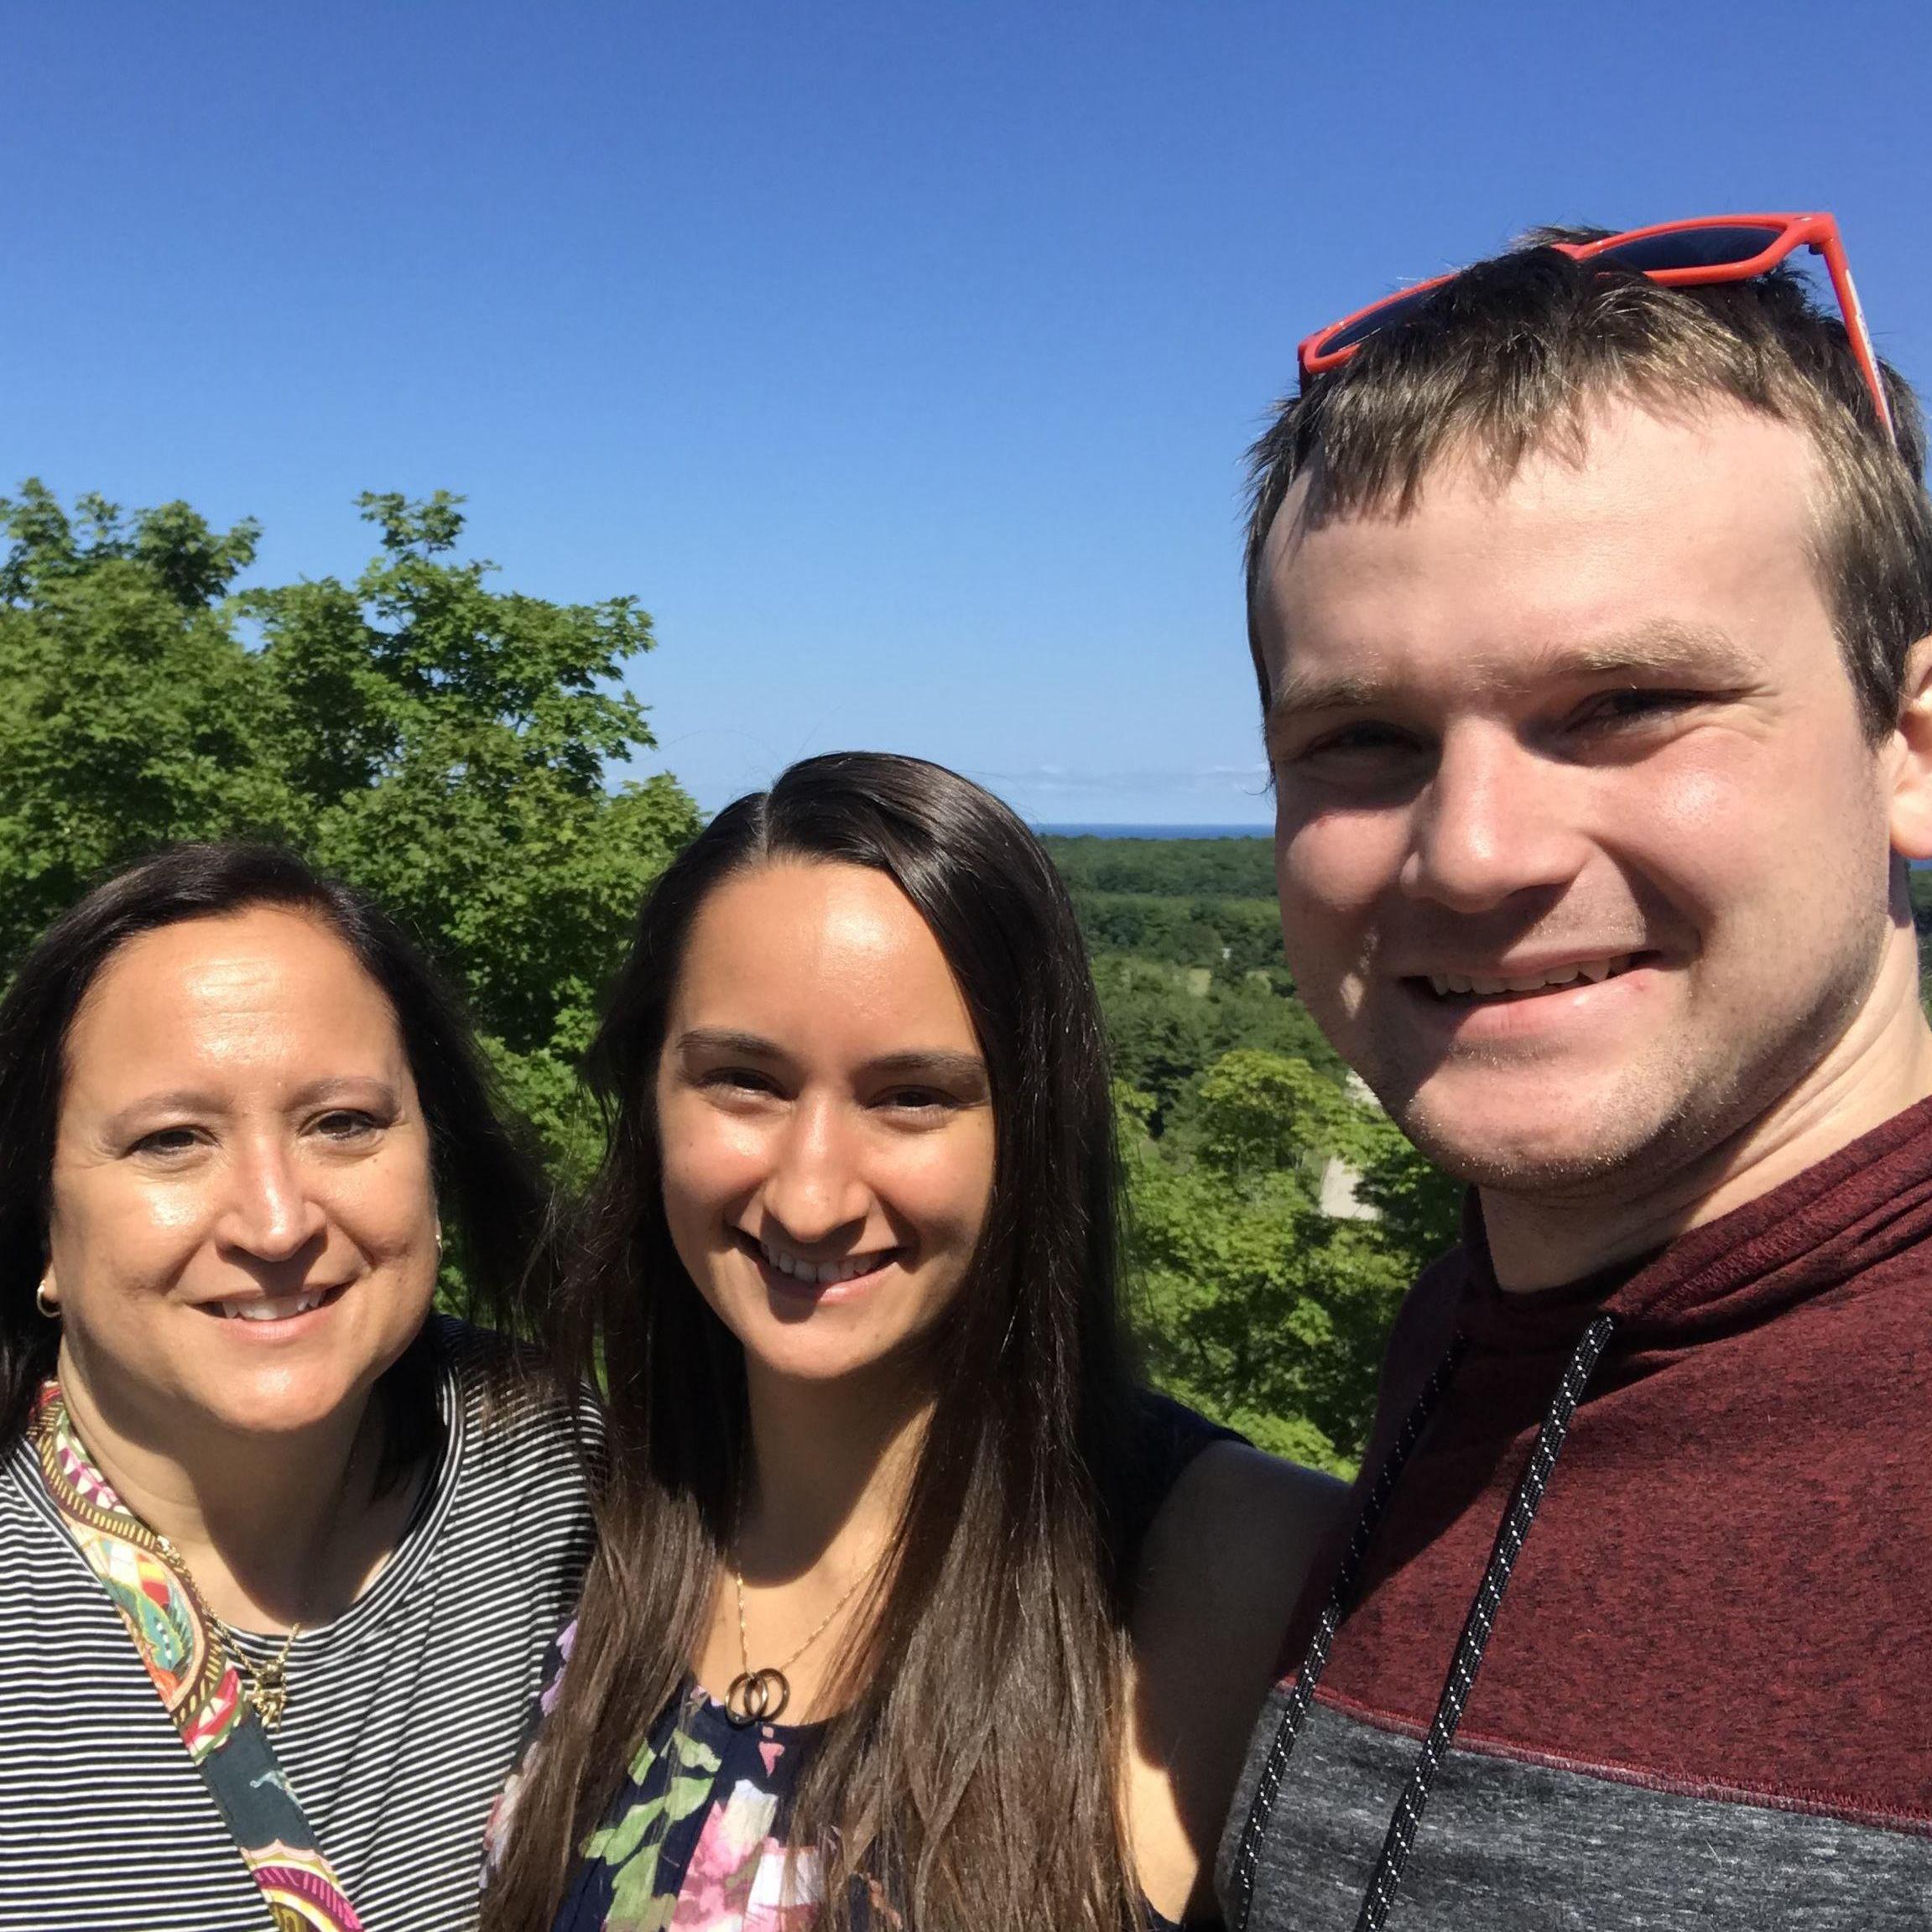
200	1688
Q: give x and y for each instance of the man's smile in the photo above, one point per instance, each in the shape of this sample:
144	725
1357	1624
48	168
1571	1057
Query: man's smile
1517	982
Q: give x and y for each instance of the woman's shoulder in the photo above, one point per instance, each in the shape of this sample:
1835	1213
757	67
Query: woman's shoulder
1229	1547
1236	1533
511	1416
1160	1442
1226	1556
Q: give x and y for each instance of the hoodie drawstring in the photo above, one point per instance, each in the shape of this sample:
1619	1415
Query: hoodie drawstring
1467	1661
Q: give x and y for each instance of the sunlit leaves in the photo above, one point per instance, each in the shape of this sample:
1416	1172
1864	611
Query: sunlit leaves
447	745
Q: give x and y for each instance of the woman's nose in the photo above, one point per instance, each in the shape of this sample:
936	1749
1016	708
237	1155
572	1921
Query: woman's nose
815	1188
269	1210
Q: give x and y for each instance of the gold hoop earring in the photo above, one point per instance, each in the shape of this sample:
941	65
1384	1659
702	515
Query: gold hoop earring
48	1305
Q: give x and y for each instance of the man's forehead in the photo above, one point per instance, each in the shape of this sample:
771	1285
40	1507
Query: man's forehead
1649	545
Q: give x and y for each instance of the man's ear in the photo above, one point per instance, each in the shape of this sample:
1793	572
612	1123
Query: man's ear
1911	755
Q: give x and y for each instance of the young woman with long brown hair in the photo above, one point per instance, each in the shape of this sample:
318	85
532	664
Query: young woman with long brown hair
911	1607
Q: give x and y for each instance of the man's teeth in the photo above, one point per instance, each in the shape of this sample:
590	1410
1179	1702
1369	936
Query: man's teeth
273	1307
821	1274
1590	971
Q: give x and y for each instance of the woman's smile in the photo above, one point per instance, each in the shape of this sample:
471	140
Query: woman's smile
278	1311
789	1271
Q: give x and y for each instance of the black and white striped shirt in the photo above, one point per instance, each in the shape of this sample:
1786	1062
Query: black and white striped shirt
403	1715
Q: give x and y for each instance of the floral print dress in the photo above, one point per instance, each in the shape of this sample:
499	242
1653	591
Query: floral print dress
695	1841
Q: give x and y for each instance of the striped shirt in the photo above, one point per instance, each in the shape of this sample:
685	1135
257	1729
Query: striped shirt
404	1714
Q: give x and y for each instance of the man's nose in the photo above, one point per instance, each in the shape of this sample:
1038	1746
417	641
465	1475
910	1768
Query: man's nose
1495	820
815	1188
269	1211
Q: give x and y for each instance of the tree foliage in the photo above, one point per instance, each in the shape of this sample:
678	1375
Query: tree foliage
438	742
1253	1304
1210	868
1256	1305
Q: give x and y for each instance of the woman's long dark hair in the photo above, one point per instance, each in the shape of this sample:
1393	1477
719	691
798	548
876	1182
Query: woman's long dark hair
973	1772
491	1200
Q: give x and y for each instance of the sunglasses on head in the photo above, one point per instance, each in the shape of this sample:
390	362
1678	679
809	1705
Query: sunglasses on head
1680	255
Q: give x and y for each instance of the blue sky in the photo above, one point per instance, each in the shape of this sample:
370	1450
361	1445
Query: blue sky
899	357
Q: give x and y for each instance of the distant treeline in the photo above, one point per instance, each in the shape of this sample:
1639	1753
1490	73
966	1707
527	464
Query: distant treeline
1188	868
1190	901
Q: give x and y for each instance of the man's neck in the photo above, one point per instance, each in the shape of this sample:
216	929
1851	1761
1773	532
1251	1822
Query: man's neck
277	1532
1881	1065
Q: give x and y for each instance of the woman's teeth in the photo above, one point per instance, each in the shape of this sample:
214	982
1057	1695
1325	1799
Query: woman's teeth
1585	972
273	1307
823	1274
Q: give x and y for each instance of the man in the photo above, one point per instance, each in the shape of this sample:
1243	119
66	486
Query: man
1591	615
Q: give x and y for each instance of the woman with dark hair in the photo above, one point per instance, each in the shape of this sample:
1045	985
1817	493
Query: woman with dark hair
280	1549
910	1607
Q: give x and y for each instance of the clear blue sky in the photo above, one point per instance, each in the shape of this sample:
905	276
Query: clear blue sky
899	357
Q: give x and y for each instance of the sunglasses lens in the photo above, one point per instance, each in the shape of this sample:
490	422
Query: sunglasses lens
1384	315
1717	246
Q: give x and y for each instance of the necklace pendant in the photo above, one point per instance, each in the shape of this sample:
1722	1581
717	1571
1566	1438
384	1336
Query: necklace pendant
756	1697
269	1692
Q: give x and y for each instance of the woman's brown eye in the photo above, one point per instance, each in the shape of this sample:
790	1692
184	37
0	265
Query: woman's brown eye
738	1080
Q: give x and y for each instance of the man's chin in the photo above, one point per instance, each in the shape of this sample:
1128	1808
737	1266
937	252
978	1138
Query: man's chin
1566	1146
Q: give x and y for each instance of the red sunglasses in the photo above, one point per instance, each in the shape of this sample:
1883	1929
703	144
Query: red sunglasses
1680	255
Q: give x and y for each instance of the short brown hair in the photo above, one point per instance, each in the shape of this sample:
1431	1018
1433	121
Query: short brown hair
1506	357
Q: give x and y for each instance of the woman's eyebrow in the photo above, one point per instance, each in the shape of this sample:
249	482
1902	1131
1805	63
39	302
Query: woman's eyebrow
727	1040
932	1063
201	1101
166	1101
343	1086
937	1063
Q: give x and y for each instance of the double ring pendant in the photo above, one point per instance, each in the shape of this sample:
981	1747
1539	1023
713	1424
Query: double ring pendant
757	1697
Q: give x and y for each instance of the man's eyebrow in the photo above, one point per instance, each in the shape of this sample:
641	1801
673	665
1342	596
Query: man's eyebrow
1696	649
1297	694
1649	650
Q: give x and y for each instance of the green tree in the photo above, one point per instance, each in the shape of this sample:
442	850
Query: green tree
133	714
441	743
1255	1305
452	741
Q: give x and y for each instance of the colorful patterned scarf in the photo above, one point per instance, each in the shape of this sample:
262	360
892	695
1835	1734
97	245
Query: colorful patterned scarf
200	1688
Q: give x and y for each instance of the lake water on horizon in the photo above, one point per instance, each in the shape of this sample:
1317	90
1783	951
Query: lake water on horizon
1249	831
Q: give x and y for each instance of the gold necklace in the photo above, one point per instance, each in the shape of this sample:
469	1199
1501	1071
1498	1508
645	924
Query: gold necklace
267	1684
760	1696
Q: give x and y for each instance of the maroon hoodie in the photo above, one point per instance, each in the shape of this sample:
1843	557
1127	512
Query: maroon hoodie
1705	1697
